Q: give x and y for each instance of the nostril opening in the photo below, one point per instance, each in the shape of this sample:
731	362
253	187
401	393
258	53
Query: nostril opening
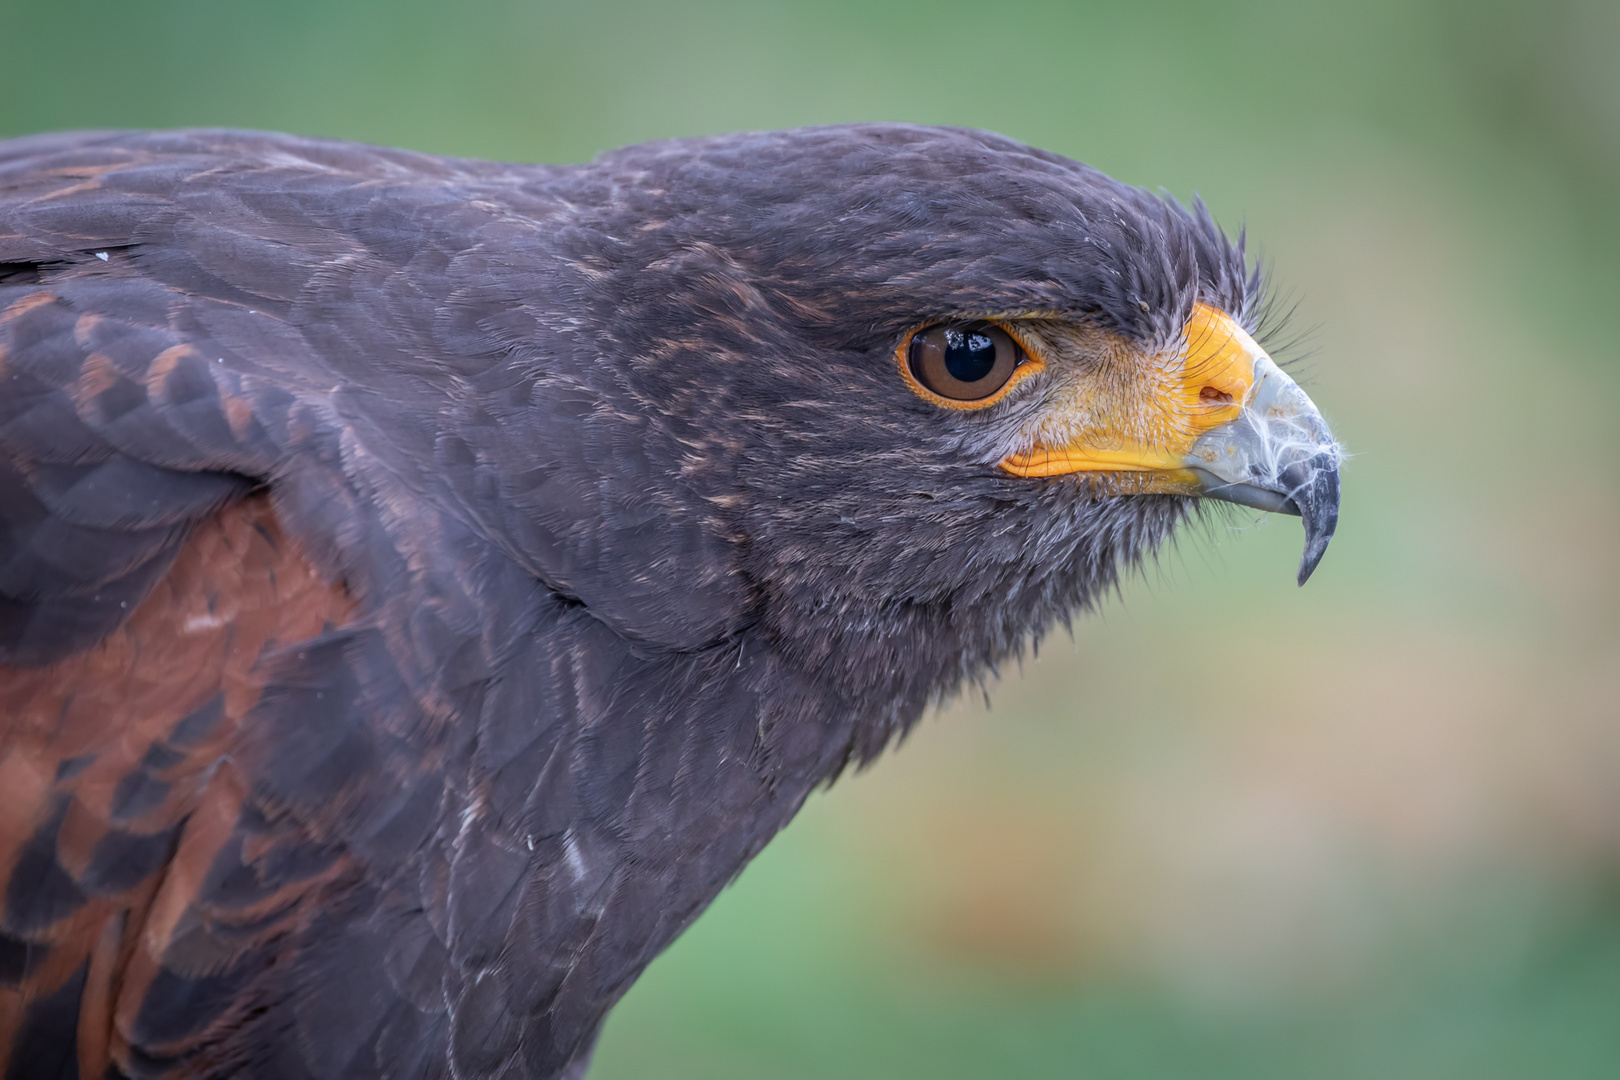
1214	396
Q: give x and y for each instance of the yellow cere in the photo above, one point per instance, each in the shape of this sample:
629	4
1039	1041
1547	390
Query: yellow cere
1129	413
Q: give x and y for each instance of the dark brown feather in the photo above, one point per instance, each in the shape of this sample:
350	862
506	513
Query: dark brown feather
117	783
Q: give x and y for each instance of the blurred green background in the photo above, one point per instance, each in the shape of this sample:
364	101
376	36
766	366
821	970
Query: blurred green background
1367	829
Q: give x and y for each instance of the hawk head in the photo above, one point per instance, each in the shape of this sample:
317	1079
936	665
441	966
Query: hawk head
936	386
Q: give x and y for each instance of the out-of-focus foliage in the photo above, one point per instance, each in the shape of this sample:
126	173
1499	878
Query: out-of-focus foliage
1369	829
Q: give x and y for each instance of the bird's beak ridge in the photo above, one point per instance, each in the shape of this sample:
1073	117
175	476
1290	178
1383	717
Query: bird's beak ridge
1277	455
1222	421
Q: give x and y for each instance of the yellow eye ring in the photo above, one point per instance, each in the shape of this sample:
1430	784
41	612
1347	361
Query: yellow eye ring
927	361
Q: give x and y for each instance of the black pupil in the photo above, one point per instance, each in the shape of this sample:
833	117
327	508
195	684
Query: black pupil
969	354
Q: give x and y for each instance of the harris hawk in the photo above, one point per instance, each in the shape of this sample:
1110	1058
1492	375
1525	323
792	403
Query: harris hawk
425	583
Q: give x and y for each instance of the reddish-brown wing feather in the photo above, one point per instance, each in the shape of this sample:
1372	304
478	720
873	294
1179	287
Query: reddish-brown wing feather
117	789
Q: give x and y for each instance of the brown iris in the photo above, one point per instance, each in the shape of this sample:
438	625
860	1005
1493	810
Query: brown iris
964	361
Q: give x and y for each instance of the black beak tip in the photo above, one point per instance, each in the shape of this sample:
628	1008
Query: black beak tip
1318	502
1314	550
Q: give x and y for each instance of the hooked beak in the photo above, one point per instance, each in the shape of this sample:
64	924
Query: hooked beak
1220	420
1276	455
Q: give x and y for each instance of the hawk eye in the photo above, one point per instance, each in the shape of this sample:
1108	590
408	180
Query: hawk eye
964	361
